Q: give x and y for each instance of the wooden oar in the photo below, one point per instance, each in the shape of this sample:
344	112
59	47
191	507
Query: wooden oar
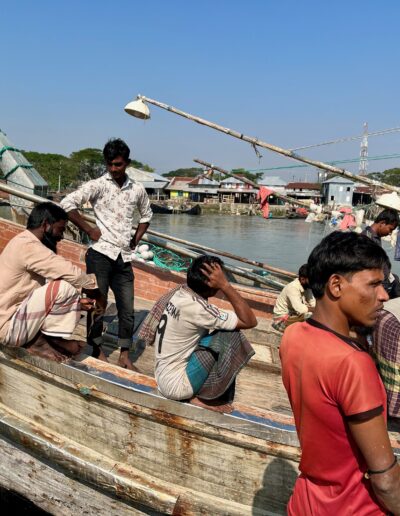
255	142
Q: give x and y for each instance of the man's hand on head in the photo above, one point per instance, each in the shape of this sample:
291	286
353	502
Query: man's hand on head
215	276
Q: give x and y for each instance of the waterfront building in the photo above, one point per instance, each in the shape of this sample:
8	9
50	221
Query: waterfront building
338	191
153	183
304	191
178	187
236	191
203	189
274	182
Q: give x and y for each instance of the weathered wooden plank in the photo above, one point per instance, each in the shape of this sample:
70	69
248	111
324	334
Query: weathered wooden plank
55	492
190	454
120	384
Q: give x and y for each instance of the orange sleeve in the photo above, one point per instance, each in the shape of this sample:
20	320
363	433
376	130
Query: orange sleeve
359	388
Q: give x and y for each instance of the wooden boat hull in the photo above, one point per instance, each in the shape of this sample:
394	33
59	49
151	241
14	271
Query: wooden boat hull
108	429
89	437
96	425
160	208
194	210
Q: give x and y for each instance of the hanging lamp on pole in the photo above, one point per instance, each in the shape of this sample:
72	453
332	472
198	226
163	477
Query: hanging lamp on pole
138	109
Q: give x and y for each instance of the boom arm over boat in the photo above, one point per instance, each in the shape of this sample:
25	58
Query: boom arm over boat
255	142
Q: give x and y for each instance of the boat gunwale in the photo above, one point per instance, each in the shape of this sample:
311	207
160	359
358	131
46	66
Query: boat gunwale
246	433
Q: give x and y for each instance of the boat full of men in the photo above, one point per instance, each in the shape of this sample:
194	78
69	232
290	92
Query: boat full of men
340	325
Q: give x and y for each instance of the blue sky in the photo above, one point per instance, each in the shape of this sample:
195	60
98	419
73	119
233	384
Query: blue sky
290	73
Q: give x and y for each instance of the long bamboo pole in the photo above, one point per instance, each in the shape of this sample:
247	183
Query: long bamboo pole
274	148
89	218
275	270
36	198
251	183
234	270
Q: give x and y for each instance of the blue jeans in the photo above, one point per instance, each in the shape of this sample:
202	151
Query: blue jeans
117	275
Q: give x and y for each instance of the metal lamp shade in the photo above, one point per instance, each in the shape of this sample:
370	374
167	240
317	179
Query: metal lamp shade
138	109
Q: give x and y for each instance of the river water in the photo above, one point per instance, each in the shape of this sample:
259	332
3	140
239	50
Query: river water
283	243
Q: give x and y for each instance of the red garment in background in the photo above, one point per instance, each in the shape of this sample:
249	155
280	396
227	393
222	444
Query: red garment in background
263	195
348	222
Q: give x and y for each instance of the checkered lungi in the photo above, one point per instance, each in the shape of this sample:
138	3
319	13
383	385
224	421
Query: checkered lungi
53	309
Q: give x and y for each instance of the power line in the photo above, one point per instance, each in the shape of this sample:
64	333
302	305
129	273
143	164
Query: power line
349	139
337	162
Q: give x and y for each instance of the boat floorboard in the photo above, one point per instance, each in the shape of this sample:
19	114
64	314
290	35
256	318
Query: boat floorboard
255	387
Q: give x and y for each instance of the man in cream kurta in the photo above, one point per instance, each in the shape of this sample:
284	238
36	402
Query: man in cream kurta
295	303
40	300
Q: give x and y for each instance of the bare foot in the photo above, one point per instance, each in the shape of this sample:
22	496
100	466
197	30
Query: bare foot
125	362
42	348
225	408
99	354
68	347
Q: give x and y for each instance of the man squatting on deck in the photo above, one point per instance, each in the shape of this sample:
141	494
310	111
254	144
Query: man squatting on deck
338	399
295	303
114	198
34	314
198	348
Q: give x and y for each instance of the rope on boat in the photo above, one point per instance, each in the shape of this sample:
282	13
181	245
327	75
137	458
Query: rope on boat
7	148
15	168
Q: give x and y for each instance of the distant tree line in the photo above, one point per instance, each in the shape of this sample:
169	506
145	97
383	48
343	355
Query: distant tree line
390	176
79	166
195	171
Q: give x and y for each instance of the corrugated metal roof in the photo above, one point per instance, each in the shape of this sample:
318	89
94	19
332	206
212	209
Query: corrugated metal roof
271	181
143	175
154	184
339	179
230	180
202	180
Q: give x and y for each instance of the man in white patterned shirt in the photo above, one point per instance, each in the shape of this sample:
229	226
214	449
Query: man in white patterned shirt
114	198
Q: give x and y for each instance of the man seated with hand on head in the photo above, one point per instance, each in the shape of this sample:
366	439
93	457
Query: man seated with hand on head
40	292
199	350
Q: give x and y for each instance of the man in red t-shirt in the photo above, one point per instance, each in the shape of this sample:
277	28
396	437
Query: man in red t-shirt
338	400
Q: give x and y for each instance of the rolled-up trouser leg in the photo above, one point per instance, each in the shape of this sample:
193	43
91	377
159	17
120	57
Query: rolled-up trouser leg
53	309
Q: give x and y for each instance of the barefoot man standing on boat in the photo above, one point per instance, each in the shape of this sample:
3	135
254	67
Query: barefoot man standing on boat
338	399
36	315
114	198
199	350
